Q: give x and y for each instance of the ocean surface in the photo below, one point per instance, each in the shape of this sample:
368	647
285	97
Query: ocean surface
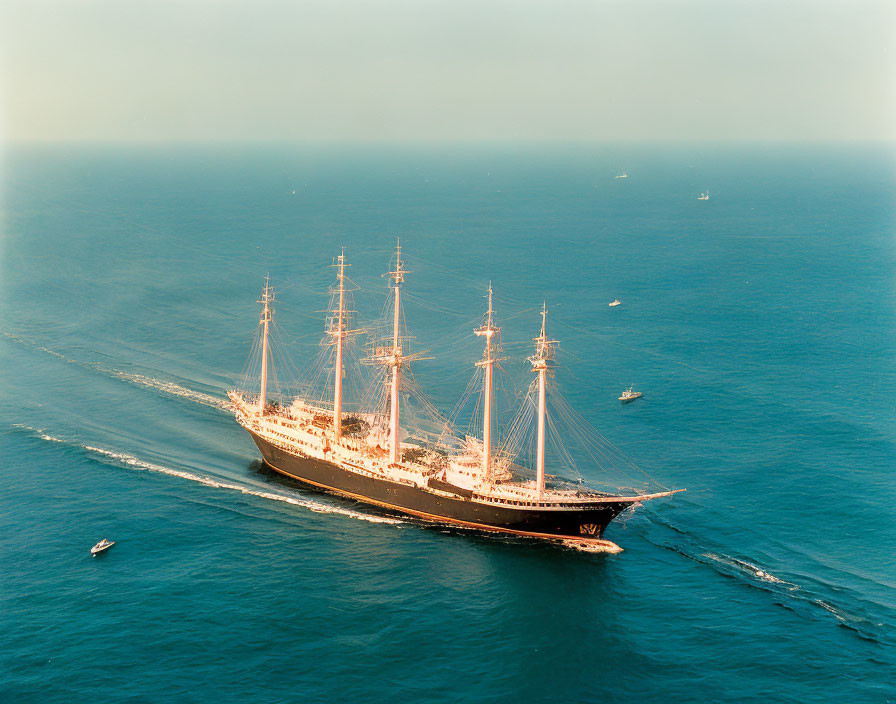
759	324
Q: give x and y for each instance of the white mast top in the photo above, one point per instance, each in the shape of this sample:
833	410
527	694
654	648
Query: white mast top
544	348
397	275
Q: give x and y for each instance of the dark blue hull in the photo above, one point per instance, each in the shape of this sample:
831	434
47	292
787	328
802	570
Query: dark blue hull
574	522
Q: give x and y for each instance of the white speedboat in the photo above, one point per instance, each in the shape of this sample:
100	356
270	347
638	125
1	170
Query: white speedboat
622	175
630	395
104	544
616	302
703	196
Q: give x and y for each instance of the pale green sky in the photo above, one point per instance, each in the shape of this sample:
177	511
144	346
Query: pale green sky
442	70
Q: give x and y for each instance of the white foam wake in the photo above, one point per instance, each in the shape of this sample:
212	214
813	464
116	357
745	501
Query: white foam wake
123	458
170	387
686	545
750	569
54	353
582	546
840	615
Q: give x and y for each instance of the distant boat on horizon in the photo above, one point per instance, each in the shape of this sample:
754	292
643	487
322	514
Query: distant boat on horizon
703	196
622	175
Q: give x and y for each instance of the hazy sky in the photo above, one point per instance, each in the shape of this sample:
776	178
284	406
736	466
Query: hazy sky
451	69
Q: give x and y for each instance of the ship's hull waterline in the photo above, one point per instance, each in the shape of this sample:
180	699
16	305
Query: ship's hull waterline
584	525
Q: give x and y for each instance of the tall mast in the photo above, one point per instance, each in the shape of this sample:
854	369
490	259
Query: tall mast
544	353
488	362
339	333
397	277
267	297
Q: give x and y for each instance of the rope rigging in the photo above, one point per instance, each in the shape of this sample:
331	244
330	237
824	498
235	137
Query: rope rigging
571	446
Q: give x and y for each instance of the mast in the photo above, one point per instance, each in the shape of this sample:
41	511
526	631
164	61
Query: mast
397	277
488	362
544	353
393	357
267	297
339	334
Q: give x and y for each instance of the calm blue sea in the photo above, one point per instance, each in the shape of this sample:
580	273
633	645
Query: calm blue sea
759	325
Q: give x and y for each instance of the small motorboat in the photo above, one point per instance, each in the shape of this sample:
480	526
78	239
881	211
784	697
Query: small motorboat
616	302
628	396
104	544
703	196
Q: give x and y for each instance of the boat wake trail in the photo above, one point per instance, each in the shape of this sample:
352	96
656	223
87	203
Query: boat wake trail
123	459
167	387
579	546
748	568
730	566
790	595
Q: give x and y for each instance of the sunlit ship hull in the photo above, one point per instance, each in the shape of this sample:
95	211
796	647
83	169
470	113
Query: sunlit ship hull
582	522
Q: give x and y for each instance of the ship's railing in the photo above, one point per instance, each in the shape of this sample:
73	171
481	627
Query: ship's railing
529	503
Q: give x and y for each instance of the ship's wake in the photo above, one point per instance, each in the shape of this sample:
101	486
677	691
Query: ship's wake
169	387
790	594
166	387
129	461
732	564
580	546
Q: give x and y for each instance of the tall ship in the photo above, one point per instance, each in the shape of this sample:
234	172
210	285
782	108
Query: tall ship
368	453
